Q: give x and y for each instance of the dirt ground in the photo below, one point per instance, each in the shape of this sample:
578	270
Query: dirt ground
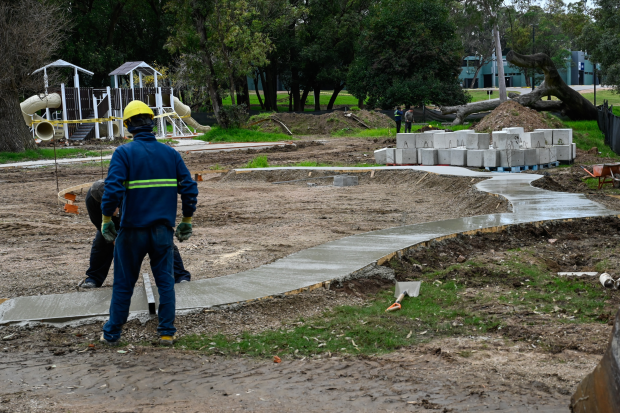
242	221
245	220
512	114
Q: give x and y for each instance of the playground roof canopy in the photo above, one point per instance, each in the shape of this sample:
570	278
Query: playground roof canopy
140	67
62	63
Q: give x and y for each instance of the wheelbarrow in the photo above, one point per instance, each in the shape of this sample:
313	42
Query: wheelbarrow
607	173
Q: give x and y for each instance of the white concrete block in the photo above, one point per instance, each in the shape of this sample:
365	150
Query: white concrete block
563	152
491	158
443	156
562	136
380	156
475	158
462	136
428	156
390	155
458	157
548	135
544	155
517	130
533	140
505	140
445	140
574	151
530	157
424	140
405	140
553	154
478	141
511	157
406	156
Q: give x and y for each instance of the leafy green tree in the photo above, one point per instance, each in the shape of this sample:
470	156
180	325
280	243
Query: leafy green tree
408	53
601	41
107	33
219	42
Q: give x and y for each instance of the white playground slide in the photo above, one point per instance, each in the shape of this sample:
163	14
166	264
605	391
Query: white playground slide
183	110
45	130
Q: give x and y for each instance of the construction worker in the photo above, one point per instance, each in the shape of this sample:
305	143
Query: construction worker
408	119
146	176
397	118
102	253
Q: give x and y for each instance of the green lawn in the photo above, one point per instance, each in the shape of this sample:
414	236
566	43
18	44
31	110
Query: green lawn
343	99
478	95
586	135
48	153
217	134
613	98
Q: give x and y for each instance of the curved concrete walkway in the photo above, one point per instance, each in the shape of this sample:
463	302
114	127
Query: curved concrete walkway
327	262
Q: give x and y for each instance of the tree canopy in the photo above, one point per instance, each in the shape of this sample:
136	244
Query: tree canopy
411	56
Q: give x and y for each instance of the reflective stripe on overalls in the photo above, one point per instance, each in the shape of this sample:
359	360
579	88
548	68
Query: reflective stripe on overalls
150	183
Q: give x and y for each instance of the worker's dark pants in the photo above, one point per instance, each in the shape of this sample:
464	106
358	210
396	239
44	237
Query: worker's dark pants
102	253
132	245
398	122
408	127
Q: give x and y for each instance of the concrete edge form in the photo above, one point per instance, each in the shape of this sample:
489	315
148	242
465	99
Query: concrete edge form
333	261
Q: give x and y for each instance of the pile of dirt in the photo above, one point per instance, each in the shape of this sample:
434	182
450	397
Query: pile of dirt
326	124
511	114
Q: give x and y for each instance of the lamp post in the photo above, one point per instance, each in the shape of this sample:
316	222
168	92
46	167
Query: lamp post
533	40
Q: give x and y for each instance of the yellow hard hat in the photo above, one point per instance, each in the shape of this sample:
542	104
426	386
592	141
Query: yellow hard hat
136	107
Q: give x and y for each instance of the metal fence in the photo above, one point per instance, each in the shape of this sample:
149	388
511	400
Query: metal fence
609	124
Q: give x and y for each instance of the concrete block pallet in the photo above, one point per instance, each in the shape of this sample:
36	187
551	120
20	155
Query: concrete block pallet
499	151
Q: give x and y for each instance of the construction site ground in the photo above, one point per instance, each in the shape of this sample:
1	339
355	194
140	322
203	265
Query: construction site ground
535	359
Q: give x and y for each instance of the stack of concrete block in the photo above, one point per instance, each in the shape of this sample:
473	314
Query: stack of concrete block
511	147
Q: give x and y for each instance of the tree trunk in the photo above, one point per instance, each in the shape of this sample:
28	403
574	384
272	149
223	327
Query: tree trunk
290	101
231	79
575	106
265	91
213	90
501	80
317	97
473	81
360	103
332	100
14	134
304	97
262	105
245	93
295	90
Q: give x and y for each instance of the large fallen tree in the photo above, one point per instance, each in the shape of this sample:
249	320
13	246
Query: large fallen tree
571	103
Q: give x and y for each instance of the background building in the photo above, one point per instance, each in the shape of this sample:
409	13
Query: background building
578	71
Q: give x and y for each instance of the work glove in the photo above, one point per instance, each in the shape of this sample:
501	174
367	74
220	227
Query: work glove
184	230
108	230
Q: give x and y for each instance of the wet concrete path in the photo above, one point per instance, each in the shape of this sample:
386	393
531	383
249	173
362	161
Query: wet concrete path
330	261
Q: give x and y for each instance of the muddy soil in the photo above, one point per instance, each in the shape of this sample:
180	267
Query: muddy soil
429	379
581	245
242	221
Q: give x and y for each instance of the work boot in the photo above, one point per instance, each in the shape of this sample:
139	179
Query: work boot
167	340
87	283
103	340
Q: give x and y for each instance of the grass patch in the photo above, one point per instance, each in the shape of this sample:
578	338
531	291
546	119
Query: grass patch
258	162
586	135
241	135
386	132
47	153
168	140
478	95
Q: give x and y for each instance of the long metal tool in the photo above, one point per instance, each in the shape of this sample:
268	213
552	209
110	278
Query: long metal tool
412	289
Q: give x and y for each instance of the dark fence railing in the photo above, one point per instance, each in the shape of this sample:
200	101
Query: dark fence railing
609	124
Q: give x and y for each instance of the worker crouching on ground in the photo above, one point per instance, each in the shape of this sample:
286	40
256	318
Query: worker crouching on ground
146	176
102	252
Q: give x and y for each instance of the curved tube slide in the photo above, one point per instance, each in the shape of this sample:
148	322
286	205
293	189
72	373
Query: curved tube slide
183	110
44	130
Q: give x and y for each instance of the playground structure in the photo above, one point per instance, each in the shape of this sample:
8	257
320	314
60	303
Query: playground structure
78	113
